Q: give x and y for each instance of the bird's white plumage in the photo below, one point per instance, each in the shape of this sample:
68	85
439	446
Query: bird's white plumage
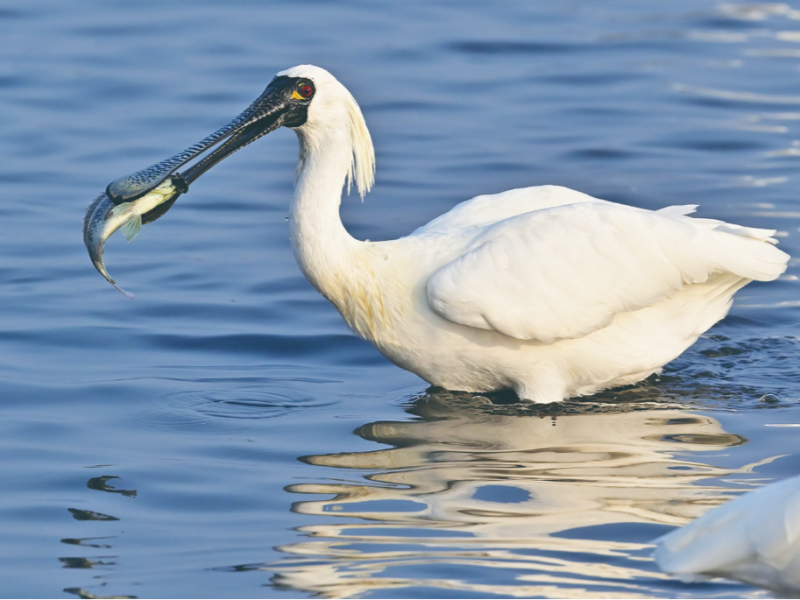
754	538
599	259
544	290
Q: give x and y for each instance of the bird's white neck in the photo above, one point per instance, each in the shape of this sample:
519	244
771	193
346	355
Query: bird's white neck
337	265
321	244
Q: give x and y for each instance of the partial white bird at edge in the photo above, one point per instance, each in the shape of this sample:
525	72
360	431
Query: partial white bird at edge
754	538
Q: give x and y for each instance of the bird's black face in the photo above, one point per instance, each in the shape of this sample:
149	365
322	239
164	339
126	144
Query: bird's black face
302	91
284	102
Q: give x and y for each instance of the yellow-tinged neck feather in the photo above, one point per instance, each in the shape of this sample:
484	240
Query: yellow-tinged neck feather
336	150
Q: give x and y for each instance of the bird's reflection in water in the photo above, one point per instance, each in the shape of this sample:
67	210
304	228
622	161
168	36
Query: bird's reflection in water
478	497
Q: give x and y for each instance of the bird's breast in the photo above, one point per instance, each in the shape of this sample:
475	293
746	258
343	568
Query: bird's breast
370	298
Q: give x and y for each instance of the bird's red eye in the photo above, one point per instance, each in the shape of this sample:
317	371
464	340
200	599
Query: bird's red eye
306	91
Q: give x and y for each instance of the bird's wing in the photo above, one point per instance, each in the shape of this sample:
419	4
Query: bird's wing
564	272
493	208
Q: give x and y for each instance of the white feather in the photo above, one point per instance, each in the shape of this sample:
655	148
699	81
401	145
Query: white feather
754	538
601	259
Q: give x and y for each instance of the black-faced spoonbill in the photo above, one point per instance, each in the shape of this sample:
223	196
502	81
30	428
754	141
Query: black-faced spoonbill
543	290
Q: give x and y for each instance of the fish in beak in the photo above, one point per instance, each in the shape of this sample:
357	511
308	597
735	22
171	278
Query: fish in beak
103	218
144	196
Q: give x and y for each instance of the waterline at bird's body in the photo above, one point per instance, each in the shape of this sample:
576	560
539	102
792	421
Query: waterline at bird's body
543	290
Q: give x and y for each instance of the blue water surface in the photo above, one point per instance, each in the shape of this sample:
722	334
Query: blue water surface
224	434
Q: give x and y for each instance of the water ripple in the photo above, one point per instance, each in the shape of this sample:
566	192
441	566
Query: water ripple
200	403
735	96
513	47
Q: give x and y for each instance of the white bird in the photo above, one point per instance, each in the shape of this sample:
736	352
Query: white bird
754	538
543	290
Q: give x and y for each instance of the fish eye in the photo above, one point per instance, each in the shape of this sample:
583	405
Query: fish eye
306	91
